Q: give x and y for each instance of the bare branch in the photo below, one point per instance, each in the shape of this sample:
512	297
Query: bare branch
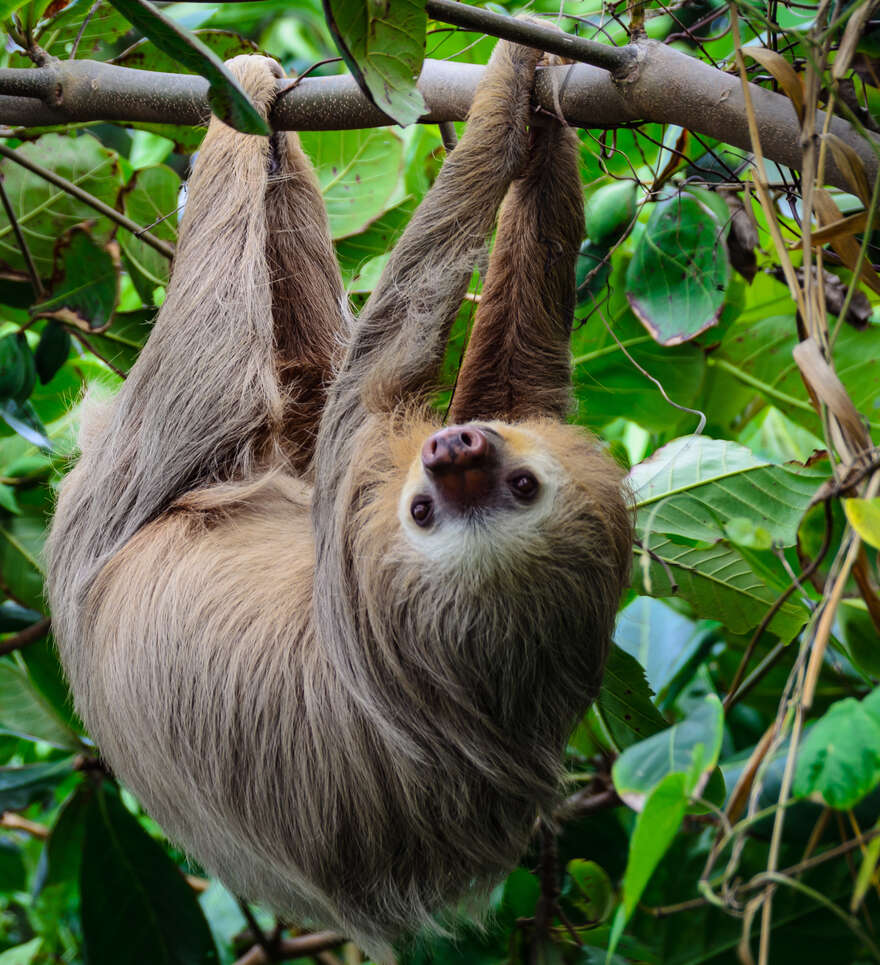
663	86
293	948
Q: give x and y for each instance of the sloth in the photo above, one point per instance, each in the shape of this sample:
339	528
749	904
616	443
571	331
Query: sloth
333	642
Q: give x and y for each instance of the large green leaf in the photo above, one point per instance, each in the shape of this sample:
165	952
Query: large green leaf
839	759
21	785
87	283
607	384
690	748
228	101
122	342
383	45
61	857
718	583
695	485
624	702
26	712
151	200
224	43
136	905
98	31
21	548
679	272
45	212
358	172
656	826
356	251
757	352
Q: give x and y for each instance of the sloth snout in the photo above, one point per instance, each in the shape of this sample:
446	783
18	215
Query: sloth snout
457	459
455	449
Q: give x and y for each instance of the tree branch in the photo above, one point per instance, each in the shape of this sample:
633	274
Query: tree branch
661	85
289	948
36	631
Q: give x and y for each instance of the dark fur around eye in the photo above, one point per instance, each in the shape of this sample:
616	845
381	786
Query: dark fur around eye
422	511
523	485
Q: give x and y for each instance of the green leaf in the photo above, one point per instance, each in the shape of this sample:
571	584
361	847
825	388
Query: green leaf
592	271
358	172
151	199
22	954
609	212
87	283
228	101
859	636
520	895
690	748
122	342
21	785
593	892
17	368
61	857
136	905
695	485
52	351
757	352
679	272
606	383
718	583
864	517
839	759
9	7
356	251
98	34
224	43
14	616
625	703
656	826
383	45
25	712
45	212
22	418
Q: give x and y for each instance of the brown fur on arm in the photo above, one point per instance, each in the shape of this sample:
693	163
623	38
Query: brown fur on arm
400	336
517	363
309	304
204	403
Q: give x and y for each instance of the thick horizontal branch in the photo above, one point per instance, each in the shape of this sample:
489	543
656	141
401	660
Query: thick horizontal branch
660	85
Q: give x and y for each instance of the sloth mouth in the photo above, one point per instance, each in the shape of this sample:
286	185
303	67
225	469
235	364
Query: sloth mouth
465	489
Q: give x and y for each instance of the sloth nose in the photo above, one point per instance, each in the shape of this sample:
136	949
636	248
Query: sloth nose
457	460
455	448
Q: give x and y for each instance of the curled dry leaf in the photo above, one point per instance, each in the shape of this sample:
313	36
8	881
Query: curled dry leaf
828	388
783	73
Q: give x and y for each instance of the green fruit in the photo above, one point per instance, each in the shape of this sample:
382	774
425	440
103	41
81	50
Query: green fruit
609	211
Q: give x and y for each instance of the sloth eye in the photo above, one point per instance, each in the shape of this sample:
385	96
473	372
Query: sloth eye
422	510
523	485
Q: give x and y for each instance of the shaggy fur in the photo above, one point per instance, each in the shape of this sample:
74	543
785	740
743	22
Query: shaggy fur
345	716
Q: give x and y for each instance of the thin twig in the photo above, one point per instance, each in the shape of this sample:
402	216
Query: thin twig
298	947
36	284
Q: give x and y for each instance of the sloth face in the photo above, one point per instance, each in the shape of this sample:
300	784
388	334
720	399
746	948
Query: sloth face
470	478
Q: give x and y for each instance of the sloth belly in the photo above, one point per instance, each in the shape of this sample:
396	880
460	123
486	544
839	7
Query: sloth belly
196	640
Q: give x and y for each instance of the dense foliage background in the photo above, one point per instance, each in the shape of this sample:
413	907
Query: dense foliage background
724	790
